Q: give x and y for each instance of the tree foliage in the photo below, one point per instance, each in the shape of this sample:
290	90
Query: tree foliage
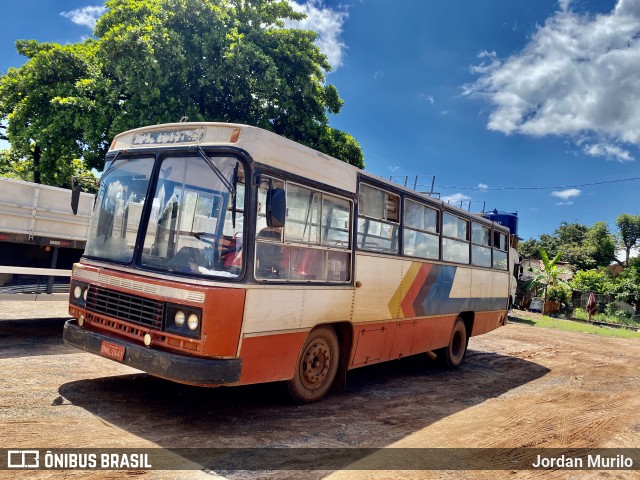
629	233
581	246
156	61
43	126
597	281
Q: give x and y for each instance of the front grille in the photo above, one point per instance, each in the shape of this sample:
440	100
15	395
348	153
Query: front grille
123	306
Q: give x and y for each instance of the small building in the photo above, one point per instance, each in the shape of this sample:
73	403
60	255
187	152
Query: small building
567	271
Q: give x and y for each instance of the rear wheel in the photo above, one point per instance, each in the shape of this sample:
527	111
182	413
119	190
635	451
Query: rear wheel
454	353
317	366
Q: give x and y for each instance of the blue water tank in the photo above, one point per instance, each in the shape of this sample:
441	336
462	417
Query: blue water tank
509	220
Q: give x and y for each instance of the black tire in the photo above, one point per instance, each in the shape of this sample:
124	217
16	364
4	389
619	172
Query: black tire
316	367
454	353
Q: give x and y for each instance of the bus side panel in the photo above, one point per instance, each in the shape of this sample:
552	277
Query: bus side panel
224	308
432	333
291	311
270	358
283	307
486	321
377	298
372	343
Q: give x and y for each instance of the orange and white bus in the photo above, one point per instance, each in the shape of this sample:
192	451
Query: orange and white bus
223	254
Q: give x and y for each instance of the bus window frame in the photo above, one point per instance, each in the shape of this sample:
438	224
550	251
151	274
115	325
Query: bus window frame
489	246
444	237
400	211
505	250
437	234
159	153
283	242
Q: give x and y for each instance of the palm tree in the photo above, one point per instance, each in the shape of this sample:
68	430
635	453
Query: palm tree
548	275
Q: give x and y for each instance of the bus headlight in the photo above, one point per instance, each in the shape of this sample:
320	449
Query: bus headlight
193	321
78	294
179	318
183	320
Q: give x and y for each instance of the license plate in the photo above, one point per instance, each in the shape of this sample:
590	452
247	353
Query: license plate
111	350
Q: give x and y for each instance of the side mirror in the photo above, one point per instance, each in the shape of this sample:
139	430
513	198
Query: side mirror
75	195
276	207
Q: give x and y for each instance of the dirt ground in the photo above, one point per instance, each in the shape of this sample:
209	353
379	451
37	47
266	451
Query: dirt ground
520	386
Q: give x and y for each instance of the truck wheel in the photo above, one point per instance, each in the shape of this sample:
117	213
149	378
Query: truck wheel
317	366
454	353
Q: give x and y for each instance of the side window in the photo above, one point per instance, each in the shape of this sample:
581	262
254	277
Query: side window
420	234
378	220
455	239
480	245
314	245
500	251
303	215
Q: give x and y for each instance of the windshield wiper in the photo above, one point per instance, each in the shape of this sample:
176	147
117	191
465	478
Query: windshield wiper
113	165
216	170
225	182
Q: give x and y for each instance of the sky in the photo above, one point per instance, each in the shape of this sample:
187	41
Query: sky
517	105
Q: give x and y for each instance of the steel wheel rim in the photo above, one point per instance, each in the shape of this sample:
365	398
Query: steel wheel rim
315	364
457	342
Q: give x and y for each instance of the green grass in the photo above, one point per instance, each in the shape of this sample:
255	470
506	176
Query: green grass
568	325
580	314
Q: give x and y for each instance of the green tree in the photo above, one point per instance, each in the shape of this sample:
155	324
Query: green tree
601	244
11	166
529	249
628	233
598	281
548	275
156	61
213	60
581	246
626	288
43	126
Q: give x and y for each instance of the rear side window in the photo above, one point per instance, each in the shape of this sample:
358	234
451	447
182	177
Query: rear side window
420	234
378	220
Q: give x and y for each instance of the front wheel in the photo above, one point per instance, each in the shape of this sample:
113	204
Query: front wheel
454	353
317	366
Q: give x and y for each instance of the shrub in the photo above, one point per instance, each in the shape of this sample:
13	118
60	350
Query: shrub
558	293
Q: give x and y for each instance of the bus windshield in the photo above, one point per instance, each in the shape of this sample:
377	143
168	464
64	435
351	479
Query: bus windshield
195	224
122	195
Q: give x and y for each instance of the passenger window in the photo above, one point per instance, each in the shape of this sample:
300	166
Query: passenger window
481	245
455	241
315	246
420	233
378	218
500	251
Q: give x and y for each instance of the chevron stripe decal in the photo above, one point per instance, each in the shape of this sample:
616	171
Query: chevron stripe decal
425	290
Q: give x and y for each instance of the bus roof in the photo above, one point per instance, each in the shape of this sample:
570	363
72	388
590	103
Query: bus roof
263	146
267	148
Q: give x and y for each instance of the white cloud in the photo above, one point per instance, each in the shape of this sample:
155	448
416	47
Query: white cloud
611	152
579	76
483	186
427	98
86	16
565	203
565	195
378	74
456	198
327	23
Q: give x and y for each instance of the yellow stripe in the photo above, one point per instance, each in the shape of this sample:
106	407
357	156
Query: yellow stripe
405	284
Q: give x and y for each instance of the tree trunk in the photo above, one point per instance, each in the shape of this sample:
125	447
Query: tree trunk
36	164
